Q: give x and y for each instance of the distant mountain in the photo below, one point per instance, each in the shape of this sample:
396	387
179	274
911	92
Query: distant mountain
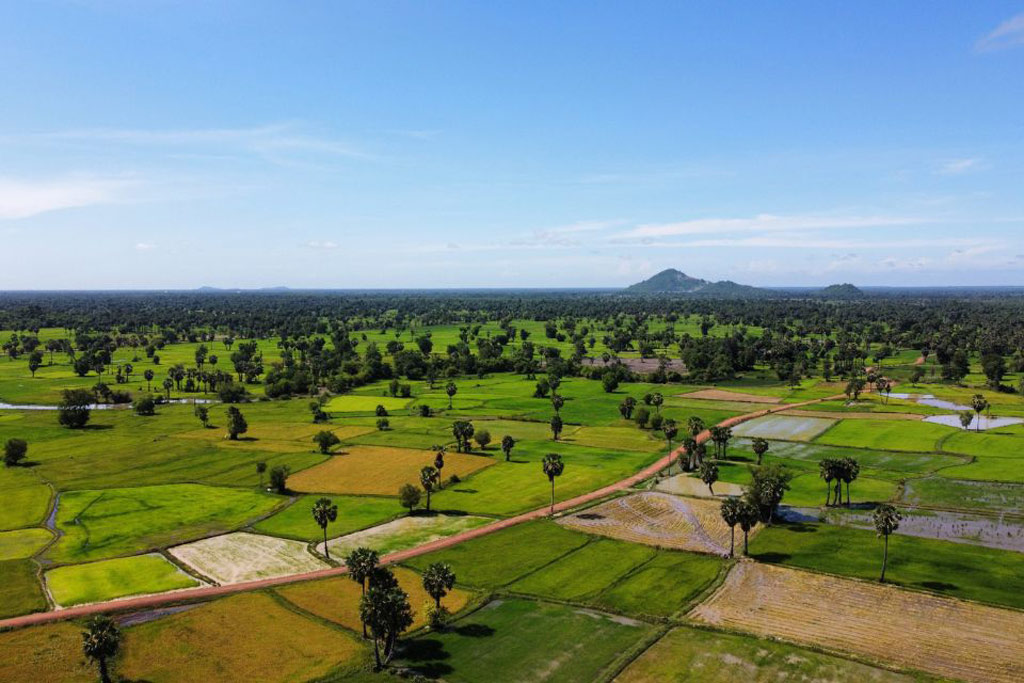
844	291
672	281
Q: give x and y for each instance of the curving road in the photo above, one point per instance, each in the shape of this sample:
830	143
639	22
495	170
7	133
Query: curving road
207	592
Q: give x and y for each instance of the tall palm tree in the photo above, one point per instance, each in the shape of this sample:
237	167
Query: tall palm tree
557	402
749	517
695	425
451	390
887	520
827	471
100	642
439	462
438	579
325	512
731	513
709	474
760	447
980	404
669	431
507	444
361	564
656	400
553	467
849	472
428	480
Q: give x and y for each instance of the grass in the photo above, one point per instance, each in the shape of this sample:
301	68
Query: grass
983	496
585	572
23	543
687	654
241	638
889	435
364	404
521	640
404	532
51	653
26	499
376	470
808	490
955	569
883	463
354	513
113	522
337	599
783	427
664	586
500	558
20	589
118	578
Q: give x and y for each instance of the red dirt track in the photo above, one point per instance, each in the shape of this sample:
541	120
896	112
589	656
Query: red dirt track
208	592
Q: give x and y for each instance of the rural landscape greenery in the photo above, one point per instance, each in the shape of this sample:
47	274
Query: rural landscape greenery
681	480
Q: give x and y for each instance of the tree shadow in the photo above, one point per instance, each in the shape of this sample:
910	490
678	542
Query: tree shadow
474	631
801	528
771	558
938	585
95	428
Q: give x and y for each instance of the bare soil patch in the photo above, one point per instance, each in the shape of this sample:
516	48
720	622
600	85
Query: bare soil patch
240	557
940	635
723	395
656	519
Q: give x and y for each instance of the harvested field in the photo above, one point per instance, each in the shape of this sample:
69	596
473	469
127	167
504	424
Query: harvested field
784	427
337	599
656	519
407	532
939	635
379	470
240	557
852	415
723	395
688	485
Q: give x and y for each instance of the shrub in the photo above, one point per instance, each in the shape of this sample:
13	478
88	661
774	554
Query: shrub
73	410
144	406
424	410
383	424
409	496
279	478
15	451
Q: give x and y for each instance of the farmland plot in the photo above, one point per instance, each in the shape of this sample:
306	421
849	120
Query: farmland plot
240	557
783	427
688	485
407	532
944	636
656	519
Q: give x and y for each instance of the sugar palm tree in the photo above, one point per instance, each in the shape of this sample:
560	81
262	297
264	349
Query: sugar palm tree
428	480
708	472
669	431
557	402
827	471
695	425
507	444
656	400
749	517
848	473
731	513
979	404
887	520
451	390
553	467
325	512
760	447
361	564
438	579
100	642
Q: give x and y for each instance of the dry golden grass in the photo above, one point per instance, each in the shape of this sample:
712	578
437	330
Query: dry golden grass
241	556
247	637
52	652
722	395
337	599
939	635
657	519
379	470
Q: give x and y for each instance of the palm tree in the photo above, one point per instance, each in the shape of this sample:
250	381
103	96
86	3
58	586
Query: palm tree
760	447
749	517
656	400
556	426
827	471
669	431
553	467
439	463
451	390
149	374
887	520
361	564
325	512
100	642
979	403
849	472
709	474
428	480
557	402
695	425
507	444
438	579
731	514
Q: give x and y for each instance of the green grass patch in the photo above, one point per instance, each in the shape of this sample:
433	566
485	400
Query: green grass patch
354	513
585	572
956	569
523	640
350	403
664	586
501	557
886	435
111	522
109	579
20	589
983	496
22	543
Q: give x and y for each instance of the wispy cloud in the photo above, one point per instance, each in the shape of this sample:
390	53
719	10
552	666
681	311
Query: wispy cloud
321	244
24	198
959	166
1007	34
765	223
145	246
274	142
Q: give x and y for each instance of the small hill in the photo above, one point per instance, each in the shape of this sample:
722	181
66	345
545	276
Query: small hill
843	291
672	281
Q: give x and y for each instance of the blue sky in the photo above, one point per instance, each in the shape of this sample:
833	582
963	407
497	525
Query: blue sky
173	144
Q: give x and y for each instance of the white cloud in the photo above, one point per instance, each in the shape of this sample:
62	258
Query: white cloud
1007	34
145	246
958	166
764	223
24	198
321	244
